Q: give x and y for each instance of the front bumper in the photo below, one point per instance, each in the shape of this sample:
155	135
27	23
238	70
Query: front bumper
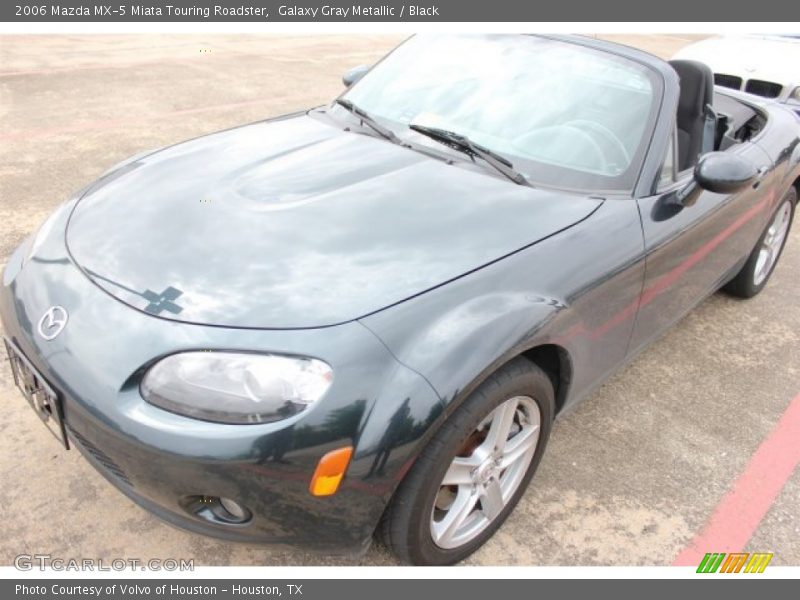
158	459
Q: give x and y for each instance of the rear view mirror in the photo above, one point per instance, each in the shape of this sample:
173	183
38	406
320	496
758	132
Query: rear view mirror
354	75
724	173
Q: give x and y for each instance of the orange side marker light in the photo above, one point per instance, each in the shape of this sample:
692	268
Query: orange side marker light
330	471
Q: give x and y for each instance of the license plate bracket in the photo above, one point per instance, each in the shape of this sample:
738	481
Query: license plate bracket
42	398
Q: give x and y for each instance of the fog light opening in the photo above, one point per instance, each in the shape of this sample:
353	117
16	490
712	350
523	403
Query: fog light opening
235	510
217	509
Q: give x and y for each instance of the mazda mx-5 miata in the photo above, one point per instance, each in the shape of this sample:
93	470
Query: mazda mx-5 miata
363	318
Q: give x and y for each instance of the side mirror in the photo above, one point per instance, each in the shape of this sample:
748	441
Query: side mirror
724	173
354	75
717	172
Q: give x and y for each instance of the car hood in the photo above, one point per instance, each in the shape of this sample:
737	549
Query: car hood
749	57
296	223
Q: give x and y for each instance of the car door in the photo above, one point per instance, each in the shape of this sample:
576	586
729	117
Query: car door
691	250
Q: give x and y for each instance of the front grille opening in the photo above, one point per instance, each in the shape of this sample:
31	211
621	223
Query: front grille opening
728	81
767	89
101	457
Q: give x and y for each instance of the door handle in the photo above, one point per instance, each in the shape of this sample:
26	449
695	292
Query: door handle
762	171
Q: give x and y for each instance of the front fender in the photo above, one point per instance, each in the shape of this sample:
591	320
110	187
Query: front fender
457	349
478	334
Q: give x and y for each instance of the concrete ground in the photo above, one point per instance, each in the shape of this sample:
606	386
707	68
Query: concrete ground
630	477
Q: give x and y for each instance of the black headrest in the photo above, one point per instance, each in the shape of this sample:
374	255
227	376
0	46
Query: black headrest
697	86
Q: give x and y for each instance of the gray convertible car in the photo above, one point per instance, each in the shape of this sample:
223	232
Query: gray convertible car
362	319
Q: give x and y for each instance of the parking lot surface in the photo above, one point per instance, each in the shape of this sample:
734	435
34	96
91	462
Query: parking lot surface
685	442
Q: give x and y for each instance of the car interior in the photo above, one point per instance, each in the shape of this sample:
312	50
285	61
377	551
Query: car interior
708	120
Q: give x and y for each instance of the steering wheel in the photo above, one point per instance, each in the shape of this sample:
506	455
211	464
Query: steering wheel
557	142
612	142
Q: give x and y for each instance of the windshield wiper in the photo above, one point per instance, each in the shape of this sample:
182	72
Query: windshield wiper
366	119
462	143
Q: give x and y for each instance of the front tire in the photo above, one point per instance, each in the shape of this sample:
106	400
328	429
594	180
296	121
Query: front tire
759	266
473	472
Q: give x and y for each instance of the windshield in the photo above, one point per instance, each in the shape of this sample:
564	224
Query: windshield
565	115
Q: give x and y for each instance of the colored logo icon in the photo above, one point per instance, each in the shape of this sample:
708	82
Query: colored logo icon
736	562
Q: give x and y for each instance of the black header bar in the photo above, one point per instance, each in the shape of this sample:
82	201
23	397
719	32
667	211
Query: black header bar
308	11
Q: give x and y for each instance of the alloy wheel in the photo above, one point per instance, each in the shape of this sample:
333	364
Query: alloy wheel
486	472
772	243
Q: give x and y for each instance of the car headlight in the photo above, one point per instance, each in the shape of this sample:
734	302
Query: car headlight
231	387
794	97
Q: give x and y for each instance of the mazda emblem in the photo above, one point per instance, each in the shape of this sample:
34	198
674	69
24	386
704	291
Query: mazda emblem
52	322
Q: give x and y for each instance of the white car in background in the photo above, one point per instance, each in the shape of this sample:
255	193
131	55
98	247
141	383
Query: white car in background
763	65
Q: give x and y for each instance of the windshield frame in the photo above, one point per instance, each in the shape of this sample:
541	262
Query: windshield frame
570	180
